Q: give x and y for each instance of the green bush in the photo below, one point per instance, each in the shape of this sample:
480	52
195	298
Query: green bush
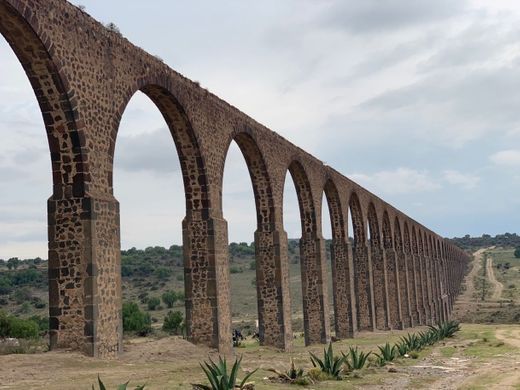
23	329
5	325
356	359
169	298
173	322
153	303
235	270
134	320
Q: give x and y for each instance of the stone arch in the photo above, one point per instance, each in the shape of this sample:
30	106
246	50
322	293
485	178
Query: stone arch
378	269
419	279
186	142
335	210
401	273
342	299
259	175
356	213
362	267
411	274
206	273
394	309
305	198
272	290
312	261
70	314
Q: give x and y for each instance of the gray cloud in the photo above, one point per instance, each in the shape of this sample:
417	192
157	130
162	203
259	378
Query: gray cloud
373	16
151	151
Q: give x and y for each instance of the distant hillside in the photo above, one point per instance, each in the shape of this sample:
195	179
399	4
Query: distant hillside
506	240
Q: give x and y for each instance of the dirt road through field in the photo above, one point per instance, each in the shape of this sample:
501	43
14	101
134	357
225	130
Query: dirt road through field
497	286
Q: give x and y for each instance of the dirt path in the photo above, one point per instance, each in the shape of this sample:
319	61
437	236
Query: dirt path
497	286
466	301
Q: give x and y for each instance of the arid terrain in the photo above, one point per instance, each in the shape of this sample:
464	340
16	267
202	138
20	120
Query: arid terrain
480	356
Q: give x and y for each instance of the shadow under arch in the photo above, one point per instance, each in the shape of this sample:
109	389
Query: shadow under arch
401	272
71	313
312	261
344	321
394	312
362	264
274	323
378	269
208	311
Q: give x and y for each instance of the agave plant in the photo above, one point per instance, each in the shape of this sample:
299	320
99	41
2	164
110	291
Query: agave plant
330	365
292	375
446	329
401	348
412	342
120	387
356	359
429	337
386	353
218	377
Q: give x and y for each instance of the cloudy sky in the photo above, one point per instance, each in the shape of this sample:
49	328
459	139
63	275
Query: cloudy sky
416	100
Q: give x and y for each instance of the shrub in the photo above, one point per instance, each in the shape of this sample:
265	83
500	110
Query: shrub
22	295
163	273
169	298
134	320
235	270
330	365
5	325
218	376
356	359
23	329
173	322
153	303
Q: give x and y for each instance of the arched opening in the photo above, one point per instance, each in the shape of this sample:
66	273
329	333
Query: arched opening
401	267
67	319
378	268
147	182
339	285
391	274
202	274
293	228
326	215
362	283
251	263
314	293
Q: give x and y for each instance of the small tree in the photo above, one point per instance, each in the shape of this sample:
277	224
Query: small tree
517	252
173	322
169	298
153	303
134	320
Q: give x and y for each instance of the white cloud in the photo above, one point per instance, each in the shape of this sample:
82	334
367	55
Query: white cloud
509	157
397	182
466	181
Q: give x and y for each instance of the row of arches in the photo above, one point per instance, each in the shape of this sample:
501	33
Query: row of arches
82	102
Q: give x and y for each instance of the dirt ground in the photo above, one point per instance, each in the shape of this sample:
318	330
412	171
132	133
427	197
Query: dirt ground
478	357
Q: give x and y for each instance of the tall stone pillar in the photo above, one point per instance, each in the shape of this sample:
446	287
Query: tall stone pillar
419	283
272	285
315	300
403	289
344	301
379	274
412	288
394	299
425	286
206	281
363	287
84	275
431	289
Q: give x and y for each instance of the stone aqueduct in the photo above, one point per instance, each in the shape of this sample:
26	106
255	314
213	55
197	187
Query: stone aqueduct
83	76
